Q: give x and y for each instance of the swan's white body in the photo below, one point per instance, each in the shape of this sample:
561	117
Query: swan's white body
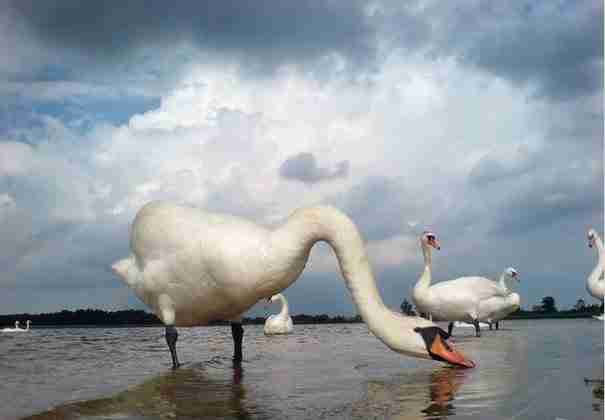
595	284
280	323
498	307
452	300
17	329
191	267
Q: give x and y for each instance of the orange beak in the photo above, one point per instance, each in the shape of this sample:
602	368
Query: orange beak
443	351
434	243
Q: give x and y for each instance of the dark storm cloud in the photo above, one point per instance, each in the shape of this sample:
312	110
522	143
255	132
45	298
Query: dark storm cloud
555	46
261	30
303	167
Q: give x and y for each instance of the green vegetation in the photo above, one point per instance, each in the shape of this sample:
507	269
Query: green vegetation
130	317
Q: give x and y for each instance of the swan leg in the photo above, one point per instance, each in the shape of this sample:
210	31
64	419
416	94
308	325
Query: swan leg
171	336
497	325
477	328
490	326
450	328
237	332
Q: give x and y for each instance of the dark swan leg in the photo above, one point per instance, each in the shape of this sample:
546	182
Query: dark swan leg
237	331
171	336
490	326
450	328
477	328
497	325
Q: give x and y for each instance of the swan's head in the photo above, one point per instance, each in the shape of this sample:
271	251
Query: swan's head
436	347
430	239
592	237
271	299
512	274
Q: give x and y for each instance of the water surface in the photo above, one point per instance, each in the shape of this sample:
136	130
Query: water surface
527	370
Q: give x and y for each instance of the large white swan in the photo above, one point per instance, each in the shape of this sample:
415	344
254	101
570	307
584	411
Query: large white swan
280	323
595	284
494	309
17	328
452	300
192	267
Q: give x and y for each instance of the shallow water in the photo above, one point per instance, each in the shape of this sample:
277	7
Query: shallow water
527	370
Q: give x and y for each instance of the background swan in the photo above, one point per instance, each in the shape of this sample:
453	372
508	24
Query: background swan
280	323
452	300
595	284
17	329
192	267
494	309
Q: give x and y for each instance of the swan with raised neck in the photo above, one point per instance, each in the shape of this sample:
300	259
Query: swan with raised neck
494	309
595	284
280	323
451	300
192	267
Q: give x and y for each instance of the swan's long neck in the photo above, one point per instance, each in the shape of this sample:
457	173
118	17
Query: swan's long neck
504	284
424	282
293	241
595	275
284	313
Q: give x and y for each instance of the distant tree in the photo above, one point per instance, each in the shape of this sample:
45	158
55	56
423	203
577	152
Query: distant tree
548	304
407	308
580	305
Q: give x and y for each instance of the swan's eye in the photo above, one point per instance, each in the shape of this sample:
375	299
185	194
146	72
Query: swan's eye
430	237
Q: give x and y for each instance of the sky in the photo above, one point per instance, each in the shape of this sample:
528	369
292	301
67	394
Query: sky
480	121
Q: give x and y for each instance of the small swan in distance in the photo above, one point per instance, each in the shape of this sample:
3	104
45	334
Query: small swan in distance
595	284
17	329
494	309
280	323
192	267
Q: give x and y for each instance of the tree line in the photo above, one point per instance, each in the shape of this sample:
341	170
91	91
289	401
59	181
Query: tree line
128	317
86	317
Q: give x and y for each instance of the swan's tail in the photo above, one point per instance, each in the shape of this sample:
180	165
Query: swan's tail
127	270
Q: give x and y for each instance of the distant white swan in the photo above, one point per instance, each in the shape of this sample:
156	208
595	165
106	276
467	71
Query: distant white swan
496	308
461	324
17	329
452	300
280	323
192	267
595	284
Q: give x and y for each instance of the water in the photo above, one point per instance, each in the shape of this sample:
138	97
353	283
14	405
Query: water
527	370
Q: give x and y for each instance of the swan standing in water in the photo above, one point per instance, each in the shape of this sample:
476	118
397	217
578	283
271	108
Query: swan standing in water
192	267
280	323
494	309
595	284
17	328
452	300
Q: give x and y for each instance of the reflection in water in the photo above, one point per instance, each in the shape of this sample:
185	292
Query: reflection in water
531	371
185	393
413	395
444	385
596	387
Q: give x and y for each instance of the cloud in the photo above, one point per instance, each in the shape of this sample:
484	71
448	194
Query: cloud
264	32
492	137
303	167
